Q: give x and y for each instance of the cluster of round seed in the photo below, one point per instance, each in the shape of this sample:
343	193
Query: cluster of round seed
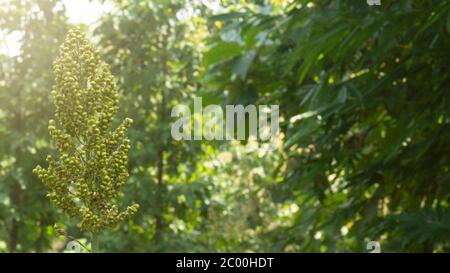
92	167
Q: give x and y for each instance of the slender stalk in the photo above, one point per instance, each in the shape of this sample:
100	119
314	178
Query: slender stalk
80	243
94	242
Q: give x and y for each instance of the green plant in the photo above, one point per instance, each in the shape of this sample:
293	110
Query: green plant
87	178
363	92
25	79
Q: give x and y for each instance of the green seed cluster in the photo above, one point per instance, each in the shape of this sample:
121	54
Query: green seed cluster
87	178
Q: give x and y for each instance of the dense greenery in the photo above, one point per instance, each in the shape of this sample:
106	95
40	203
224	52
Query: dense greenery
364	102
364	93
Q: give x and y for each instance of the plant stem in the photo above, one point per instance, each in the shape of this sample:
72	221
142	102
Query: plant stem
94	242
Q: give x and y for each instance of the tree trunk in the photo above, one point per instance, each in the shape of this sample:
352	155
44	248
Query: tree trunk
95	243
14	231
160	168
41	240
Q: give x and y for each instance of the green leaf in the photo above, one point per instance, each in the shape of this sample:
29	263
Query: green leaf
227	16
221	52
240	66
448	22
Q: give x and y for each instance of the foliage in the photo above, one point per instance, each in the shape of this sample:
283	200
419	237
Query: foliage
156	56
364	109
364	95
25	81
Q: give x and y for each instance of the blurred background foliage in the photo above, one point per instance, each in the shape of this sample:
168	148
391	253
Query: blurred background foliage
365	124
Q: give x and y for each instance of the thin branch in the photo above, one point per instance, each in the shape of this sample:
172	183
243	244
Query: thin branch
80	243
